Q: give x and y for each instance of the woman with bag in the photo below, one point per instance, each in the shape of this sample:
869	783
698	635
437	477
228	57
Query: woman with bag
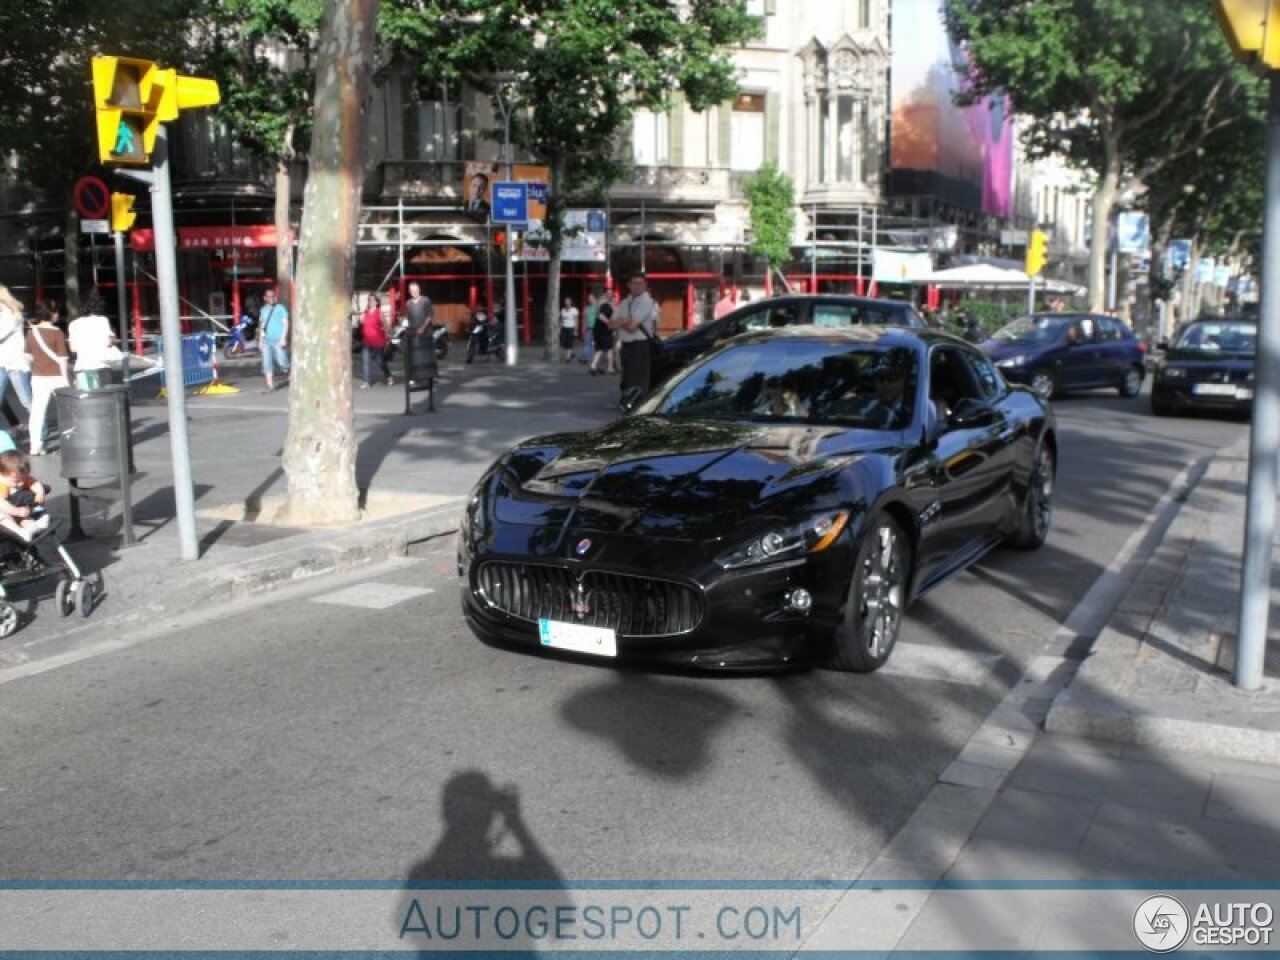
376	340
15	368
47	351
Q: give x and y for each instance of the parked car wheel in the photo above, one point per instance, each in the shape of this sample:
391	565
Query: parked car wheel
1131	385
877	595
1160	406
1044	383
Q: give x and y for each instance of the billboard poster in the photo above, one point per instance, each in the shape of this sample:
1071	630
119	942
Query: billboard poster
478	179
961	155
1132	232
900	266
584	239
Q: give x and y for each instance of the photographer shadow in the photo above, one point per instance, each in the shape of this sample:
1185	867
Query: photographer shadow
487	856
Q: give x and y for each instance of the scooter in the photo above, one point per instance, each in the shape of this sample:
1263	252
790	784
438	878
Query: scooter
486	339
243	338
439	337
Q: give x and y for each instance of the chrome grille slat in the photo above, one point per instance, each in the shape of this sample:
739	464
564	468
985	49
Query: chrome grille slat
630	605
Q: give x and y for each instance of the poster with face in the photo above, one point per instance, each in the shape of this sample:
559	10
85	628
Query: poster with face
477	182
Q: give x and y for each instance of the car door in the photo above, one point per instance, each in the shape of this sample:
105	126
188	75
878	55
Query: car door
1115	350
1078	362
970	466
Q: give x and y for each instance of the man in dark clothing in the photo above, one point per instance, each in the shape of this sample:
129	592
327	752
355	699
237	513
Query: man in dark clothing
419	310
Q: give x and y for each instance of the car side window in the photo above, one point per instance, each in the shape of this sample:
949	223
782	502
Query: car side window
783	316
1110	331
951	380
990	384
756	320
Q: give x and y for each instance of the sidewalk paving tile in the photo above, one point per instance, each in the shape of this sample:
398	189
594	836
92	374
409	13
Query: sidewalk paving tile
1038	819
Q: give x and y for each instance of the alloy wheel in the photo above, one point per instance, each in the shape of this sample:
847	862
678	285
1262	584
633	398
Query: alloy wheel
883	581
1042	383
1042	494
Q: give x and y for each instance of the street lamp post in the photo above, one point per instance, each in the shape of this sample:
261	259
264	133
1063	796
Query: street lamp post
502	80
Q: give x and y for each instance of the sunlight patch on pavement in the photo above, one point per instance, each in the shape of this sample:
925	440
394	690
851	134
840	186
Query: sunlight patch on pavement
924	661
372	595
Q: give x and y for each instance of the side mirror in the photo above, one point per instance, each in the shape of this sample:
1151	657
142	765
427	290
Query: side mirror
970	413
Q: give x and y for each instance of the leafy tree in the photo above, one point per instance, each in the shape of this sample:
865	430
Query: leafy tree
261	53
320	448
47	124
772	198
581	68
1119	88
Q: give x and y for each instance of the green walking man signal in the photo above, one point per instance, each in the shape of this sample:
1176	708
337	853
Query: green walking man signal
133	97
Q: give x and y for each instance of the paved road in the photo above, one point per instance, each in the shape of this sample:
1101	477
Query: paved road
315	737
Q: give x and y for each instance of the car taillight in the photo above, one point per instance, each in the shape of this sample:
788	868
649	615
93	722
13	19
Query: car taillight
1142	346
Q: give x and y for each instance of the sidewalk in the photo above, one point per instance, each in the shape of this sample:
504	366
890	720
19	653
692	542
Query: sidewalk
415	470
1140	767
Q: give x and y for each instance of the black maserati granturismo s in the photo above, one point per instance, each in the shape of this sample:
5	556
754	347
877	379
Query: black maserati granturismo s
777	503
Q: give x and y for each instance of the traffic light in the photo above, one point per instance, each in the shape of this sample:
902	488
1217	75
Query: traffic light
1252	29
122	213
1037	252
133	97
127	96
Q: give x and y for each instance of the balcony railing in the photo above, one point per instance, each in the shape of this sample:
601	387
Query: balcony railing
677	185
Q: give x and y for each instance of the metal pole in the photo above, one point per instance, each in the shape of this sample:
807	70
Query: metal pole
813	248
511	274
1031	296
1112	279
171	337
122	307
1260	514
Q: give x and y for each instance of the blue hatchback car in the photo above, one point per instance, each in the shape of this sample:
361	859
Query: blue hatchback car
1055	353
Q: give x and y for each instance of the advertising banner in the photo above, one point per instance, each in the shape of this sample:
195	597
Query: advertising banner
900	266
584	239
479	176
1132	232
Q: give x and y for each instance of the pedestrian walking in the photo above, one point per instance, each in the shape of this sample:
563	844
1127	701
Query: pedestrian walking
90	339
568	328
273	323
725	305
15	368
602	335
589	315
636	324
49	357
419	309
375	342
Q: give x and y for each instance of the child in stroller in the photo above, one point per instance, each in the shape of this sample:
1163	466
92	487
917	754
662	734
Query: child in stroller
23	521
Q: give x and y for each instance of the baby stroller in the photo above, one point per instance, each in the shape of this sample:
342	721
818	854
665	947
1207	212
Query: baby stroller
22	562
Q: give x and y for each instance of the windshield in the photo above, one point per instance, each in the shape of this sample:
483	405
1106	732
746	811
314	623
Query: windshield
1224	336
807	381
1033	331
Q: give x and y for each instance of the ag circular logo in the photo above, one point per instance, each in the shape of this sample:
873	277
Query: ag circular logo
1161	924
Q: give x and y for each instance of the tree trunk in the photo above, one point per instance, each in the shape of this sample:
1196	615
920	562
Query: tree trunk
555	230
320	449
71	265
284	242
1104	199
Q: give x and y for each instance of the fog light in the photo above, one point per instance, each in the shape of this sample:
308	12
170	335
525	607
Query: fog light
800	600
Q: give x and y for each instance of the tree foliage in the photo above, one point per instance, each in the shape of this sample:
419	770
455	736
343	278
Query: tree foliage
1119	88
772	197
581	68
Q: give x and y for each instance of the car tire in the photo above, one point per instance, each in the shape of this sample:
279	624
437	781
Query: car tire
1043	382
1160	405
1036	513
877	597
1131	385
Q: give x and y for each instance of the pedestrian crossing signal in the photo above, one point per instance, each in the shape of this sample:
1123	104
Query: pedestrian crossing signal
1037	252
127	96
122	212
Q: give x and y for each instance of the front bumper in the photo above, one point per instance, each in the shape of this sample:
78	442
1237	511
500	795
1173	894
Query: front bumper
1178	393
746	623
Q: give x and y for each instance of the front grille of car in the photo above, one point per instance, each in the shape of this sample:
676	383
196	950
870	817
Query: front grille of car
632	606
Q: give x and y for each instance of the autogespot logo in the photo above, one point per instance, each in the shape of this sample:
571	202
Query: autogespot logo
1161	924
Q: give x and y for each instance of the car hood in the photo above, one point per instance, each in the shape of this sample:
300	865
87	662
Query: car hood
683	479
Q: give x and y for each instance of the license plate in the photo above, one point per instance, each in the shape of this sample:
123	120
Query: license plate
578	638
1244	393
1214	389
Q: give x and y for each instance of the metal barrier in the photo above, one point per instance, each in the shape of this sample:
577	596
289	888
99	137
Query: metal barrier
198	352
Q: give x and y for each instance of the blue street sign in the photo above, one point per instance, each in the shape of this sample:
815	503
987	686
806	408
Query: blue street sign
510	202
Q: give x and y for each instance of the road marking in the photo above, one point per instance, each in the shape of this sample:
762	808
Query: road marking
372	595
926	661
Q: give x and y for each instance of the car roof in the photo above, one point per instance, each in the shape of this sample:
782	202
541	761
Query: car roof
835	298
1224	319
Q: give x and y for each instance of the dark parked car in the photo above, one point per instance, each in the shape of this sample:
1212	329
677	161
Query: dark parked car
820	310
1057	352
779	502
1210	366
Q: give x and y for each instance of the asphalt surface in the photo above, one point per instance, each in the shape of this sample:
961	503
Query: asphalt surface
309	737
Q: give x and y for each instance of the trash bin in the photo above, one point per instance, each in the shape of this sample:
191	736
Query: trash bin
90	425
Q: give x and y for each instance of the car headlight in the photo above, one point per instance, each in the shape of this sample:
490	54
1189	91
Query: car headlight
811	536
1010	362
1173	373
472	527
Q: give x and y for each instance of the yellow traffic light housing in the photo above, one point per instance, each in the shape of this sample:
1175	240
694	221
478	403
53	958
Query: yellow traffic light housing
1037	252
122	212
132	97
1252	29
